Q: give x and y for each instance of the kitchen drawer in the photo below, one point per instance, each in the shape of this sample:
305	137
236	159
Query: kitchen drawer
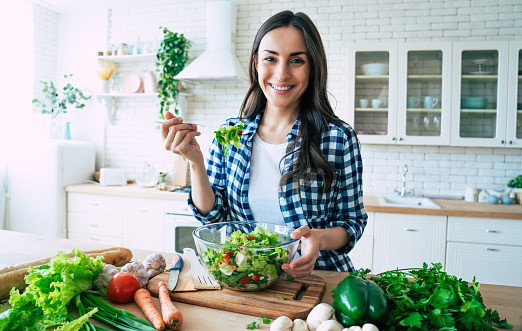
113	241
106	225
94	203
485	230
490	264
177	207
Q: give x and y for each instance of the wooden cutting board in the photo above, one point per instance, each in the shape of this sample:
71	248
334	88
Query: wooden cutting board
301	296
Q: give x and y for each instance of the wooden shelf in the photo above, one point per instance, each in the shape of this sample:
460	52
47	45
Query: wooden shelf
424	110
480	77
151	57
372	109
425	77
483	111
381	78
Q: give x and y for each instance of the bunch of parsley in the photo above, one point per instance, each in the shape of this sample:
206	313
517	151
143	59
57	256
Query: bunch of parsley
433	300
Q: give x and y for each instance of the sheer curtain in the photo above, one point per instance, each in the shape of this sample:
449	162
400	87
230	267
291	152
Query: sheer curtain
16	86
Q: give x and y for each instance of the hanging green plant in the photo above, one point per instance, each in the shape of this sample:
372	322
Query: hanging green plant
172	58
53	103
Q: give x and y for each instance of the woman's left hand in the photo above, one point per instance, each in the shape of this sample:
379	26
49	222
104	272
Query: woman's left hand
304	265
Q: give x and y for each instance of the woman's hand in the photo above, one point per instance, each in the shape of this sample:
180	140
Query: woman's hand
304	265
180	138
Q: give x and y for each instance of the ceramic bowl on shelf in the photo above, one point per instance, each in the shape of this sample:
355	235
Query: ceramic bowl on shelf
245	256
374	69
473	103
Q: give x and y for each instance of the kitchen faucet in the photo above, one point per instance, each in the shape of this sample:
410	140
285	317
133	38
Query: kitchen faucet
403	192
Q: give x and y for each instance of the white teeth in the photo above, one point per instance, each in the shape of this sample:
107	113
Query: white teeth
281	88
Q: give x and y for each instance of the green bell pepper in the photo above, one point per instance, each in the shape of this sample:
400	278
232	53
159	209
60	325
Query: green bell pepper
358	301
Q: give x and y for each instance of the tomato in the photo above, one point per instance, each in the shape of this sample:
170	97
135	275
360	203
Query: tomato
255	278
250	237
226	260
229	254
122	287
244	280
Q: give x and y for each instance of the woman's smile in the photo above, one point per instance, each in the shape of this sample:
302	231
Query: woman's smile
281	88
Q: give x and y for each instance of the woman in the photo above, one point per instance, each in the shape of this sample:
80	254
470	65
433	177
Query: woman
298	164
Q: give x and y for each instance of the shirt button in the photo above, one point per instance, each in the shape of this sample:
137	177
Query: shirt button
282	200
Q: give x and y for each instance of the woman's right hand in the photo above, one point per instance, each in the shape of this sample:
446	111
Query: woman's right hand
180	138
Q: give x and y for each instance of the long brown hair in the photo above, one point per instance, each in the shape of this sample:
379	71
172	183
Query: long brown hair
315	111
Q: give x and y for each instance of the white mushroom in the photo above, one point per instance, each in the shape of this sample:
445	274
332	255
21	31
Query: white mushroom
369	327
320	313
300	325
282	323
330	325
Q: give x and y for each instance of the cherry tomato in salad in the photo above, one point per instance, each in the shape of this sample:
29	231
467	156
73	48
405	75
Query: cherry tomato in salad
244	280
226	260
122	287
250	237
229	254
255	278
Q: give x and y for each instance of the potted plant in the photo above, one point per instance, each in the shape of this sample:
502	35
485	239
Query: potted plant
54	103
516	185
171	59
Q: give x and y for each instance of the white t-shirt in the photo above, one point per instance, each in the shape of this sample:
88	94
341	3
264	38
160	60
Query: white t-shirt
265	174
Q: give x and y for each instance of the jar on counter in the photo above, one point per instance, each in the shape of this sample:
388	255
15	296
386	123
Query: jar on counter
122	49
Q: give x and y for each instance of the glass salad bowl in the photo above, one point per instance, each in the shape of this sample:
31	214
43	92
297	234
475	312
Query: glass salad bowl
245	256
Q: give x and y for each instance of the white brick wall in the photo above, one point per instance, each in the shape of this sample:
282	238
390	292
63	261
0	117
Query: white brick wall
432	170
45	23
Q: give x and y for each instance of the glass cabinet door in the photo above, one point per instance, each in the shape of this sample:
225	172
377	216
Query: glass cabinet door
424	89
372	92
514	119
480	94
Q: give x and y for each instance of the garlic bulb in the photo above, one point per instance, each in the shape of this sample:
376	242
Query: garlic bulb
154	264
138	270
104	277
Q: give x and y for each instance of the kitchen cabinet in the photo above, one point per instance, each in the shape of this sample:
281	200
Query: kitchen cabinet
479	98
107	99
362	254
514	101
488	249
406	241
143	223
94	218
414	91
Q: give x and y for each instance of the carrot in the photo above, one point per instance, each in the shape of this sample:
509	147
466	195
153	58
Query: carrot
171	315
144	301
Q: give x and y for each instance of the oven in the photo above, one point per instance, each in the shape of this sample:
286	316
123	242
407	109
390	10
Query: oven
179	224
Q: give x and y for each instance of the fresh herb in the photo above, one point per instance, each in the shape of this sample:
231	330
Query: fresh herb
433	300
229	134
283	298
253	325
515	182
265	320
289	277
117	318
50	289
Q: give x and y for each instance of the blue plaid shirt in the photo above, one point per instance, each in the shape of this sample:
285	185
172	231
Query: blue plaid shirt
341	205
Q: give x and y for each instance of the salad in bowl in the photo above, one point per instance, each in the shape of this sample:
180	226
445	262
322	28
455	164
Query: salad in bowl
245	256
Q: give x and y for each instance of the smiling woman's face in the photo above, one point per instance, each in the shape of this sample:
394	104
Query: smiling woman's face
283	67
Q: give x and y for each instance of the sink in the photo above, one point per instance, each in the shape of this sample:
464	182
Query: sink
408	202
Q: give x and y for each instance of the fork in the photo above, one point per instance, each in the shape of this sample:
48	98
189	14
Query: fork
200	277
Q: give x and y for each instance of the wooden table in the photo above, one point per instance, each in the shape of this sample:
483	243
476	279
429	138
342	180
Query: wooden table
18	247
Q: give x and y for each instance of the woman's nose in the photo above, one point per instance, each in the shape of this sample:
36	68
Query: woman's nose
283	71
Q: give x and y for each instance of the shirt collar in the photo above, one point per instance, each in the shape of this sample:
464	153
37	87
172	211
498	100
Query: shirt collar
251	126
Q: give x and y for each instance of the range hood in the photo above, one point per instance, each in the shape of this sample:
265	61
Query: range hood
218	63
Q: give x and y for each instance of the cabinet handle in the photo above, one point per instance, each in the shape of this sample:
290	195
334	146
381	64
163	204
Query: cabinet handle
492	249
503	142
409	229
511	142
93	238
93	203
393	138
492	231
94	225
400	139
